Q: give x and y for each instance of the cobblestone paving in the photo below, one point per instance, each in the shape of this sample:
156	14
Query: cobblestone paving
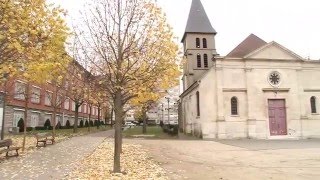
53	161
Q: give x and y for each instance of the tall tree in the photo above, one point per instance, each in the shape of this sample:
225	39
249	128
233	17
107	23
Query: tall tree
32	37
131	46
77	79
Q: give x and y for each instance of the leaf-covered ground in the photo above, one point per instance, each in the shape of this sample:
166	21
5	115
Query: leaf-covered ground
61	135
135	163
54	161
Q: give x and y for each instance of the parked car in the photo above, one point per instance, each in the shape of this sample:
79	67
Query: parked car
130	124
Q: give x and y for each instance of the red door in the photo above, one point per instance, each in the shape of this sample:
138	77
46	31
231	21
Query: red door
277	117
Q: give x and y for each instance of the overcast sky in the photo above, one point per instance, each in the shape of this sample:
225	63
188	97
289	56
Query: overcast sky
294	24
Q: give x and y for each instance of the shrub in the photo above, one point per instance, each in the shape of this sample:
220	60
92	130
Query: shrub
21	125
81	124
96	123
58	126
29	129
39	128
47	124
161	123
91	123
86	124
175	130
68	124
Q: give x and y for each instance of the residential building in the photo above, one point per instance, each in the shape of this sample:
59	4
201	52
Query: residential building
39	105
259	90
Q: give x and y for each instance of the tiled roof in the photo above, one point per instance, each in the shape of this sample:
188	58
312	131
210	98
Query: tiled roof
198	21
251	43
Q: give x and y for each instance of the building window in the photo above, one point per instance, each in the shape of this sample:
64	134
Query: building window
234	106
274	78
35	96
198	103
199	61
48	98
66	104
313	104
80	109
59	100
205	60
35	117
85	108
73	106
94	111
19	90
17	115
198	42
204	41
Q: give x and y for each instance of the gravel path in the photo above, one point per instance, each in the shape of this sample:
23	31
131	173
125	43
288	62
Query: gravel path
236	159
53	161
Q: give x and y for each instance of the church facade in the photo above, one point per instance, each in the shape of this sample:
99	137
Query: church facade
259	90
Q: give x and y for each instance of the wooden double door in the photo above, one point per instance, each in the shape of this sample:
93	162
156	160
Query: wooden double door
277	117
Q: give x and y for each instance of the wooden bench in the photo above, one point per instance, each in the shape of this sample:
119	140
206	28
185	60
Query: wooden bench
6	147
44	138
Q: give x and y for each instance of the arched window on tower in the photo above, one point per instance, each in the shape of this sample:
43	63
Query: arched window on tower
199	61
198	103
313	104
198	42
204	41
205	60
234	106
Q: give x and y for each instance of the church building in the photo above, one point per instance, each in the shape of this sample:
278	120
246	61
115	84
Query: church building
259	90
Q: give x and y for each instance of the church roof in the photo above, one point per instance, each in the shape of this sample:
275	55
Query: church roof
251	43
198	21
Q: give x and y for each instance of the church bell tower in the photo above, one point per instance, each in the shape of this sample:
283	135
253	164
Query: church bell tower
198	43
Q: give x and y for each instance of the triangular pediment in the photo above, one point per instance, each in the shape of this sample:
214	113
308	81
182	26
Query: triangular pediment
273	50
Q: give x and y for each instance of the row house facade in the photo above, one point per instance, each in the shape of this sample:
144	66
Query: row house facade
40	107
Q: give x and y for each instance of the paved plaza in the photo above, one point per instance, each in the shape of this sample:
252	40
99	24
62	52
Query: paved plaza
237	159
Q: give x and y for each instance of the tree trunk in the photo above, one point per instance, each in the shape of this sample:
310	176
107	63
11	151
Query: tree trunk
54	121
90	110
117	136
111	116
76	115
98	125
26	108
144	127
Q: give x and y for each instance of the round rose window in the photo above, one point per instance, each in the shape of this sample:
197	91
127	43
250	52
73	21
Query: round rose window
274	78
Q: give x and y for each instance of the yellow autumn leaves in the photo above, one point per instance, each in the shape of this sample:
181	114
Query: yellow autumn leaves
32	39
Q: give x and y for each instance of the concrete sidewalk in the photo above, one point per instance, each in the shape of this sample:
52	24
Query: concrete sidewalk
52	162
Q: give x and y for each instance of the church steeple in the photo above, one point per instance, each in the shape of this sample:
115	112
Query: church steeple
198	21
198	43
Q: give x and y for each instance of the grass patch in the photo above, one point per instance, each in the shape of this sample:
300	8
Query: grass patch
151	130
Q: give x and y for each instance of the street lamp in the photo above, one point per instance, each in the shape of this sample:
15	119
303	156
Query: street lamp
5	77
